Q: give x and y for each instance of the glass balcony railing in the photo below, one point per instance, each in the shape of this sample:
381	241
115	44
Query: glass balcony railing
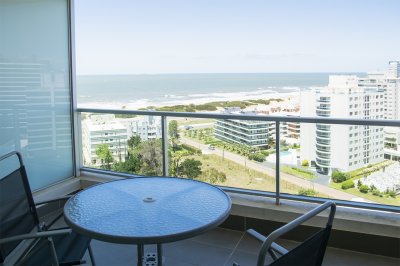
325	164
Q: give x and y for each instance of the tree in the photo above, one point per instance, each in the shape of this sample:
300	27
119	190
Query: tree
190	168
134	141
150	153
104	153
339	177
131	165
173	133
271	142
176	157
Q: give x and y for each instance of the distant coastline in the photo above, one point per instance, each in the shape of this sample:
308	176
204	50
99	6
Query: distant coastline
134	92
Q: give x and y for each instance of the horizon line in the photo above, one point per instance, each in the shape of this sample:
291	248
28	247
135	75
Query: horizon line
219	73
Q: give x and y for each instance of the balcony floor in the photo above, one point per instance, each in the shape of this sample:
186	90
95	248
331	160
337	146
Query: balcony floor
220	247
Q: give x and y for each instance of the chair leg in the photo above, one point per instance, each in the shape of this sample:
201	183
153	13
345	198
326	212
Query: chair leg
91	255
53	251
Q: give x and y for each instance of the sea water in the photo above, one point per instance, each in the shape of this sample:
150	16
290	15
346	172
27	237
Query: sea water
138	91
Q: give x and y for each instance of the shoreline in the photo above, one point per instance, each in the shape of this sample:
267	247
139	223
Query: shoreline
145	103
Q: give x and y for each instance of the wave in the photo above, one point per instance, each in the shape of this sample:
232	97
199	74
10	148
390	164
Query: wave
196	98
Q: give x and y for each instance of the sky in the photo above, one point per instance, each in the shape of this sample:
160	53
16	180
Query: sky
235	36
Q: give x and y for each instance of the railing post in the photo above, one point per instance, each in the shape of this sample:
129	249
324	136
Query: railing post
164	132
277	162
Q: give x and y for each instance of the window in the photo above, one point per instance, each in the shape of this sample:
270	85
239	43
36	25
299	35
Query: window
35	118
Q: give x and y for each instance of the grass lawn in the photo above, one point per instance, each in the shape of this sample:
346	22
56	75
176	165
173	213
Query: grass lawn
237	176
298	172
369	169
382	200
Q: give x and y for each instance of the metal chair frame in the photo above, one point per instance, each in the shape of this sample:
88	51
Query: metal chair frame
42	229
276	250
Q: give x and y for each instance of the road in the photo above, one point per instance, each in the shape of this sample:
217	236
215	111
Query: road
331	192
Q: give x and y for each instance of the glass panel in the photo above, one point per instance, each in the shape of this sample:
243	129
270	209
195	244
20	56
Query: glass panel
34	87
356	163
123	143
223	152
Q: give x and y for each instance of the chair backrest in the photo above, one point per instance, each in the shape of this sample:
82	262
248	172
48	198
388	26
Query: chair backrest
309	252
17	209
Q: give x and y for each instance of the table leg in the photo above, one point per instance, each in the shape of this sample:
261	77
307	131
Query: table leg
140	251
159	255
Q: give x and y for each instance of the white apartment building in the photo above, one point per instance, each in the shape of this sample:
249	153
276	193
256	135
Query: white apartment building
389	81
345	148
254	133
146	127
250	133
103	129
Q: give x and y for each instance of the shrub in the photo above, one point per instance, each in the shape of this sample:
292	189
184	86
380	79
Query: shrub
364	188
376	192
347	184
257	157
305	163
359	183
339	177
307	192
191	149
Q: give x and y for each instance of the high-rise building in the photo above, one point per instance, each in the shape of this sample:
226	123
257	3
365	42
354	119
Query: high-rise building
389	82
344	148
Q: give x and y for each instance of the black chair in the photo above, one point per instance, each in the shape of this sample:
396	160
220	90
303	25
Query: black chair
20	226
309	252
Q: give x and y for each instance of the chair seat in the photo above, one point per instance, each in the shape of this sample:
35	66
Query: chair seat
69	248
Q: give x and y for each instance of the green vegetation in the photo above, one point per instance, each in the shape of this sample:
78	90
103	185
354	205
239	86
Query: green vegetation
105	155
308	192
364	188
347	184
344	181
298	172
238	176
191	168
144	157
213	106
213	176
124	115
305	163
339	177
259	157
369	169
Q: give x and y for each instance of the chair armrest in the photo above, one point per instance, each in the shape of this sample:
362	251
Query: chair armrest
52	200
35	235
277	248
256	235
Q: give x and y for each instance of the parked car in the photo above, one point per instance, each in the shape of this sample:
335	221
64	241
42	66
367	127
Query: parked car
188	127
211	147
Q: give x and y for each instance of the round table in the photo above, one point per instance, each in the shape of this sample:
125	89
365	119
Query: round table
148	210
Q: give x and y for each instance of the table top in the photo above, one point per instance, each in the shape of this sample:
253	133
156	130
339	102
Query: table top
148	210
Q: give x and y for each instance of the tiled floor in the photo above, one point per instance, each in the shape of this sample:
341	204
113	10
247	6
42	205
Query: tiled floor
220	247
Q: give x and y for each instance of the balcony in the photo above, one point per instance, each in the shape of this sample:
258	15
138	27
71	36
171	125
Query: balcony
40	118
223	246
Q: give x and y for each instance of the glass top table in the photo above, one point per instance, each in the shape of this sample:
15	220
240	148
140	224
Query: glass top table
148	210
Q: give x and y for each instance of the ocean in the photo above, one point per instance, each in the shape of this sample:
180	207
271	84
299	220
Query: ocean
137	91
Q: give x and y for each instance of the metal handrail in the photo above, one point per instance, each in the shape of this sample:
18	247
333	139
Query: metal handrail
313	120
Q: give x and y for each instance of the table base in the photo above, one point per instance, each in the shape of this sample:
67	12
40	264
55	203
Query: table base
149	259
